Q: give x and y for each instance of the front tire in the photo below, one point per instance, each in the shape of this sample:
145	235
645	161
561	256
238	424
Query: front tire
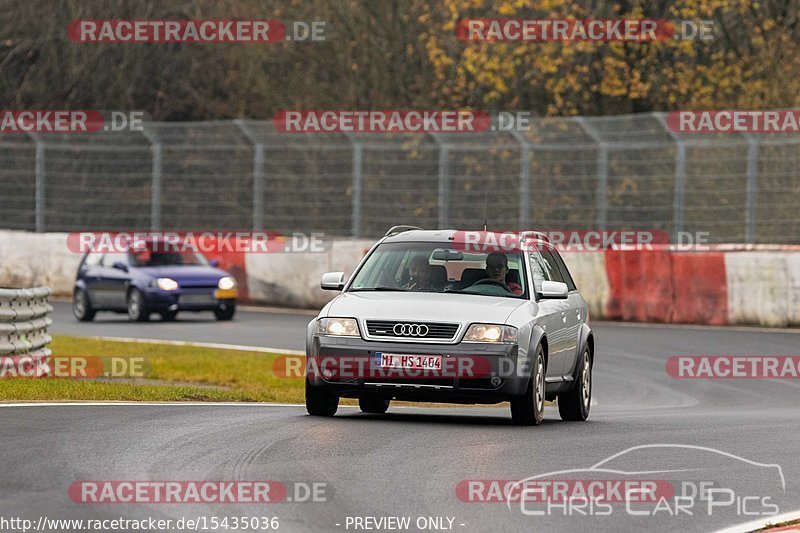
375	406
225	313
137	307
573	406
82	307
320	402
528	409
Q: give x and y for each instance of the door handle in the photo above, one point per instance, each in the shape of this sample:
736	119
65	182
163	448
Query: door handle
563	316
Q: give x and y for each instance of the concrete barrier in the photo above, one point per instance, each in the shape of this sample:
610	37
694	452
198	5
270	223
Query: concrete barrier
641	285
591	277
734	284
292	279
33	259
763	288
700	288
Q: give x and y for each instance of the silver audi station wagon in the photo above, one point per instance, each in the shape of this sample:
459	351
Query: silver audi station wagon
453	316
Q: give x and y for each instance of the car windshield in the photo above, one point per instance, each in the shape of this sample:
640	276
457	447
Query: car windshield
165	255
440	268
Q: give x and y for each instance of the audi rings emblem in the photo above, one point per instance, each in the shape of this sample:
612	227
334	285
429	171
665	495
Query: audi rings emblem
410	330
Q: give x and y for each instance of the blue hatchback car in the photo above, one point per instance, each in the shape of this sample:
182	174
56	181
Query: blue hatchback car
153	278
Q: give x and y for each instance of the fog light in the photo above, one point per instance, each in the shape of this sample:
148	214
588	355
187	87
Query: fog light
495	381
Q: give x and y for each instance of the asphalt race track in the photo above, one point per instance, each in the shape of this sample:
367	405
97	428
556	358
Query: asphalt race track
409	462
285	331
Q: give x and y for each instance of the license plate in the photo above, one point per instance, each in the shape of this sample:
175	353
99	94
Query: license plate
408	361
197	299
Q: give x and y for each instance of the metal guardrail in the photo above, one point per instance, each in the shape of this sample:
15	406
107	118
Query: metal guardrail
23	326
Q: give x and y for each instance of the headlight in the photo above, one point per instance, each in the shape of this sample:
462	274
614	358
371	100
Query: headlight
167	284
338	326
491	333
227	283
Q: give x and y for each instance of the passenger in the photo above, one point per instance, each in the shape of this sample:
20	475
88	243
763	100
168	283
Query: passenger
420	274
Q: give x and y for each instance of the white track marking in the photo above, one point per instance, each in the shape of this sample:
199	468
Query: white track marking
744	329
170	404
761	523
220	346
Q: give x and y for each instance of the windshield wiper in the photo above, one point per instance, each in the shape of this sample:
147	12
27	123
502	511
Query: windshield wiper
387	289
473	293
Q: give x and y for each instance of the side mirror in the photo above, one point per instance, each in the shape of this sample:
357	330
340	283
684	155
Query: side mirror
214	263
553	290
332	281
120	266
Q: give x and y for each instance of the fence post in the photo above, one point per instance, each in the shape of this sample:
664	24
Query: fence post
679	196
752	188
259	177
41	191
602	171
524	178
155	183
358	169
444	181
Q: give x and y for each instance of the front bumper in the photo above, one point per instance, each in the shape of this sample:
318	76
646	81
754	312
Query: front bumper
189	299
471	367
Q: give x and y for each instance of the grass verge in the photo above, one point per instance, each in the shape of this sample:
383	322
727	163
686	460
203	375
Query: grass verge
173	373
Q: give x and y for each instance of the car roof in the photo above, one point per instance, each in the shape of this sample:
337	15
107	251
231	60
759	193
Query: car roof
443	236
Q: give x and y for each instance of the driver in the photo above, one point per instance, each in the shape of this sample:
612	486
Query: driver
497	268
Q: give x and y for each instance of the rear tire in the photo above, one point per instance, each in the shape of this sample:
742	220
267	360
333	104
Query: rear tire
225	313
573	406
320	402
82	307
375	406
528	409
137	307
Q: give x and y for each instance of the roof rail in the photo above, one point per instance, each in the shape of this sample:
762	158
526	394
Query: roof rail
394	230
537	234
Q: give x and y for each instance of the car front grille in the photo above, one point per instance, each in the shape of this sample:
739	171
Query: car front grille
198	284
411	330
417	383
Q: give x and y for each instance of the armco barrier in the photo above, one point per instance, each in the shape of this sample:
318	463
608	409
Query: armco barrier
23	327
